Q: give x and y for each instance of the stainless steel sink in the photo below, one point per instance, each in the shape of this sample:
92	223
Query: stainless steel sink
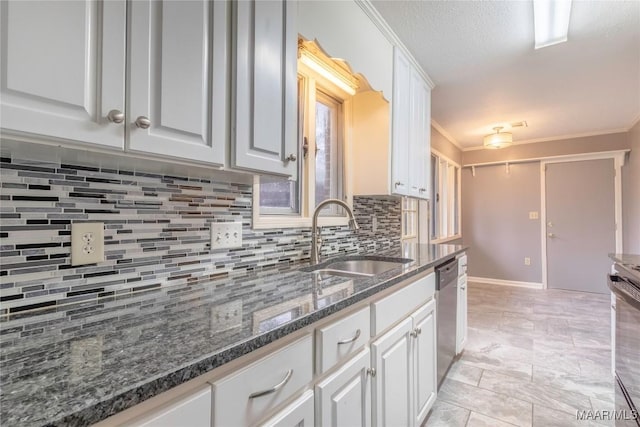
364	266
360	267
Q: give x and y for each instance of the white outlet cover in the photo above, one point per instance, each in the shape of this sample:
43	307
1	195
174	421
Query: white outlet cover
533	215
87	243
226	235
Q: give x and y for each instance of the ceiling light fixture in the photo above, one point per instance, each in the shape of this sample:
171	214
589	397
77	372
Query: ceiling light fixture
498	139
551	21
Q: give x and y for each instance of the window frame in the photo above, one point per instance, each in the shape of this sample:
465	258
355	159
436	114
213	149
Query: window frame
310	83
447	209
409	208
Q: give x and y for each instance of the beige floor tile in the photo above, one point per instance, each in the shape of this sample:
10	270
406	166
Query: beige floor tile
444	414
500	406
479	420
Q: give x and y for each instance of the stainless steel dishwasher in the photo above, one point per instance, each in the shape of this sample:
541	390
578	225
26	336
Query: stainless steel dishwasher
446	307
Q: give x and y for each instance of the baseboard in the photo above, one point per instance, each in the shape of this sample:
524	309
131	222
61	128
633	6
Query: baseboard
530	285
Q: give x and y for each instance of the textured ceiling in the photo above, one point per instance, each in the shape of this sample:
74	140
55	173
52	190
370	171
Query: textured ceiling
480	55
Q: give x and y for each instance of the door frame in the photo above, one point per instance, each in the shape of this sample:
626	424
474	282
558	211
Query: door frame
618	161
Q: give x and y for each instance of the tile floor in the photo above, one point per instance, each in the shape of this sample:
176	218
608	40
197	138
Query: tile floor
533	358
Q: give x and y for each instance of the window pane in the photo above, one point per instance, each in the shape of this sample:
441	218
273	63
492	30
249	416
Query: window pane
327	164
435	207
456	216
278	195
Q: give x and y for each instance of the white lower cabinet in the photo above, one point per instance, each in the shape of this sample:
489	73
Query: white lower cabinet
391	355
425	360
344	398
404	359
246	396
193	411
300	413
461	313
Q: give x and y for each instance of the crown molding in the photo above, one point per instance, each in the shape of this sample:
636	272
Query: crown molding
558	138
373	14
446	134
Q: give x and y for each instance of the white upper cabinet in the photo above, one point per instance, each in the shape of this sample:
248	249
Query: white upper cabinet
264	131
62	68
403	116
411	134
178	79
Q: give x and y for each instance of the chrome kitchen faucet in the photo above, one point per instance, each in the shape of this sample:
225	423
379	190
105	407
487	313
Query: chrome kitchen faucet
315	232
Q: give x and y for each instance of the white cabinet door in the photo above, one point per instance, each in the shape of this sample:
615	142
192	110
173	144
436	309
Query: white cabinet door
344	398
425	363
62	67
461	322
192	411
264	132
401	124
391	355
300	413
178	79
420	147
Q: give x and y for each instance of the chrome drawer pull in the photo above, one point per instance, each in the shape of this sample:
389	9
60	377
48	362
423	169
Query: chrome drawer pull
350	340
275	388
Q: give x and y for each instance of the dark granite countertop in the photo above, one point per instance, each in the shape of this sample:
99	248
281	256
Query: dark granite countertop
80	365
632	260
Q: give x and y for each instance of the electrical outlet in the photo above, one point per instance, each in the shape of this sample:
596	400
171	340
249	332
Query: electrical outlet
86	358
533	215
527	261
87	243
374	223
226	235
226	316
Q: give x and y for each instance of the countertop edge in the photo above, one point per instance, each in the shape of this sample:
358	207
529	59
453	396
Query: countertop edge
130	398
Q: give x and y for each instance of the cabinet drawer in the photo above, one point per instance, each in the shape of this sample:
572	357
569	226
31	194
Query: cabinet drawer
398	305
193	410
244	397
462	265
342	338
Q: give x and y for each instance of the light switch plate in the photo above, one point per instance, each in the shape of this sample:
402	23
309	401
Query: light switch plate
87	243
226	235
533	215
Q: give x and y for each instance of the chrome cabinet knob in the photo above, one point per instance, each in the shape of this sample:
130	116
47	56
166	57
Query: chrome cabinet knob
399	184
422	190
115	116
143	122
372	372
291	158
551	235
414	333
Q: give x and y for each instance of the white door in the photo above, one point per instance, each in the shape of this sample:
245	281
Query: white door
580	224
62	68
425	363
344	398
391	355
400	124
264	133
178	84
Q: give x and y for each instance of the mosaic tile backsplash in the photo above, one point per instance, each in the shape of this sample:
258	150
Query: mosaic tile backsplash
156	232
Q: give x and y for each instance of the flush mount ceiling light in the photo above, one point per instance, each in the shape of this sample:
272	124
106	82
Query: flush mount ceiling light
498	139
551	21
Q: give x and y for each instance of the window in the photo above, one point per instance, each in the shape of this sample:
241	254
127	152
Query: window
284	203
409	220
445	204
